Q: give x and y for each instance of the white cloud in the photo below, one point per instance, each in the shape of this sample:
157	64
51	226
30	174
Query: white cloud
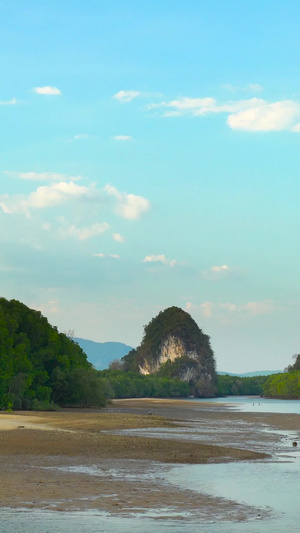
229	87
228	311
250	308
228	307
112	256
254	87
223	268
42	176
46	226
258	308
117	237
47	90
266	116
126	96
254	114
202	106
81	136
217	273
46	196
251	87
51	307
128	206
207	309
186	105
58	193
159	259
188	306
122	138
196	107
88	232
13	101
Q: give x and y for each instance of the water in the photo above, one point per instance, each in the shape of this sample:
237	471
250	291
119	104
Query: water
272	486
24	521
255	404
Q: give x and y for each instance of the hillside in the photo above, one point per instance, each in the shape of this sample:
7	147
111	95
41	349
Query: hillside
40	367
101	354
285	384
174	346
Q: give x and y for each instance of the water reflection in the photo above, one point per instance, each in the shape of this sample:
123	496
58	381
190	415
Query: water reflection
255	404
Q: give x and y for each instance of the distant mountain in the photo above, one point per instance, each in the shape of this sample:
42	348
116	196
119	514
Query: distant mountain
100	354
252	374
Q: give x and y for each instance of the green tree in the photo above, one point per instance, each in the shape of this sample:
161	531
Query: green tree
39	365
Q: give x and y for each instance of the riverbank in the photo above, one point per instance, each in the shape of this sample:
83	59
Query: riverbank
78	460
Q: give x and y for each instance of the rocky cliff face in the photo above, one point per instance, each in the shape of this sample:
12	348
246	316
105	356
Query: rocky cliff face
174	346
171	348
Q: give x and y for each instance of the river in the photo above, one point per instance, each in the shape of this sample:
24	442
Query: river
272	485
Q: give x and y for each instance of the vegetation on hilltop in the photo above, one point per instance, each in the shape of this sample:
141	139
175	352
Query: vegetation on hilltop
296	365
172	321
286	384
176	323
40	367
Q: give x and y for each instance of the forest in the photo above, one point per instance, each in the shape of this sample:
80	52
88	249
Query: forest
229	385
120	384
42	369
285	385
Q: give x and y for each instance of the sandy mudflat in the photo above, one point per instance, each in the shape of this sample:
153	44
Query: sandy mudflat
84	460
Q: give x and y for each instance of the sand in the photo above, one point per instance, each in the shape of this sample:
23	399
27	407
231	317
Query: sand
90	459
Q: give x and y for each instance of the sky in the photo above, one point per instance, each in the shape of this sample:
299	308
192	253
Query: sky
150	157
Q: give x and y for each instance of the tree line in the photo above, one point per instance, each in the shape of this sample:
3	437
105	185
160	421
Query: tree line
286	384
239	386
41	369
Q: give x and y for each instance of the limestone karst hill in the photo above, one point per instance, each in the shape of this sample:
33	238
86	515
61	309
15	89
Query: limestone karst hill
174	346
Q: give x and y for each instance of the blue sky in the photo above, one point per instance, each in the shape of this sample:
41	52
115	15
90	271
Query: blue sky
149	158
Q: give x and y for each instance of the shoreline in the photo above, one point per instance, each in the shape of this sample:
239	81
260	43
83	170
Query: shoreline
95	459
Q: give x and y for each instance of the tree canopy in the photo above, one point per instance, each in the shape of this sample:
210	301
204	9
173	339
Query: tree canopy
285	384
40	367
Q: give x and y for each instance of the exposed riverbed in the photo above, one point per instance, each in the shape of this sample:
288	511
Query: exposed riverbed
139	494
